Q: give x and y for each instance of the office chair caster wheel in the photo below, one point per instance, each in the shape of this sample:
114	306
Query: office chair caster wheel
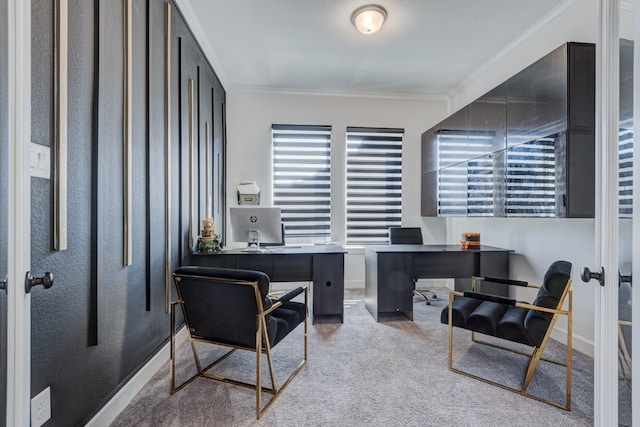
435	297
428	302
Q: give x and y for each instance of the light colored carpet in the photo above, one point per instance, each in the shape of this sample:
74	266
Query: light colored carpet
363	373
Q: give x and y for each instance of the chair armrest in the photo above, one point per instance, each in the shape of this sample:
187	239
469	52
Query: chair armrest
489	297
503	281
291	294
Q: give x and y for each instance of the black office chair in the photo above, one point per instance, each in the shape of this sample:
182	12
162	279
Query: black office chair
230	307
410	236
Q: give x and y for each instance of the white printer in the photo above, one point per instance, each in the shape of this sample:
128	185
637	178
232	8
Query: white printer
248	193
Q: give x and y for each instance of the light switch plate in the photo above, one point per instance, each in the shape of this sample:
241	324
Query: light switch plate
40	161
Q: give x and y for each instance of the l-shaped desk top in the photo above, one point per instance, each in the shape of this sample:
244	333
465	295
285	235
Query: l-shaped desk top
276	250
433	248
390	271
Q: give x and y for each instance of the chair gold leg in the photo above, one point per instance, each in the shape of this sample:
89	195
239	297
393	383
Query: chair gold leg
531	368
262	346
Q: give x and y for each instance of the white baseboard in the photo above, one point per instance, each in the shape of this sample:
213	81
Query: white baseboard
354	284
578	343
128	391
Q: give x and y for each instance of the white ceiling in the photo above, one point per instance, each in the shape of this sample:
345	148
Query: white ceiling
426	47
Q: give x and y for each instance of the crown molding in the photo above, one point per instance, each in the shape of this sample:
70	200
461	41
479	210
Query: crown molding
184	6
401	96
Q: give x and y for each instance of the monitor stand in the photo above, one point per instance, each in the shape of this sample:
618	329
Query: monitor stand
255	249
253	242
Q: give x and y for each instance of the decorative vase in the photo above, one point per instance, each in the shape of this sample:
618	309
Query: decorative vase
209	244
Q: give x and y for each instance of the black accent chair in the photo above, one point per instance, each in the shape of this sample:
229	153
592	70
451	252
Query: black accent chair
410	236
510	320
230	307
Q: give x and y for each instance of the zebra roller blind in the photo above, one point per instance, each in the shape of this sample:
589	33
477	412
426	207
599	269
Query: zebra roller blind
374	184
302	179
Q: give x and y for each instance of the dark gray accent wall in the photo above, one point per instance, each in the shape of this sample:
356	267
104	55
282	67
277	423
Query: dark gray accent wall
60	315
102	321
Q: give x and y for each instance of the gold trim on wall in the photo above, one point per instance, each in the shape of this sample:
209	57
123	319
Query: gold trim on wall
219	183
191	165
208	170
127	135
61	85
167	156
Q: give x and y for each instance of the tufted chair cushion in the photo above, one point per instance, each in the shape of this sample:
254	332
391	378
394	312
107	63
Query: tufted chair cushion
508	321
553	285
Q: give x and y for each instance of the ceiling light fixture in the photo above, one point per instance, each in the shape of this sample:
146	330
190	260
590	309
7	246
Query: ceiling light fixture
368	19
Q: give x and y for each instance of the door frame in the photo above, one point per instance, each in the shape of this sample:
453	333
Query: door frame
19	214
635	313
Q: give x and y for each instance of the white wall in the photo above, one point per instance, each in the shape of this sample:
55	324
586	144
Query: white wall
250	114
538	242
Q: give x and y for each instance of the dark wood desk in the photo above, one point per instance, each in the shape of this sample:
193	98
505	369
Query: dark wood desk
322	265
390	271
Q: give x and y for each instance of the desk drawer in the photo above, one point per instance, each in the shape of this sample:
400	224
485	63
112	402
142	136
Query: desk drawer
292	268
444	265
258	262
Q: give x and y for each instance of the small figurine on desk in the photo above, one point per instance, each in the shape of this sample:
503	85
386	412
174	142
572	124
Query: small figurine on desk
208	239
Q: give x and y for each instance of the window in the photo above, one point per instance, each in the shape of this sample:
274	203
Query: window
374	184
302	179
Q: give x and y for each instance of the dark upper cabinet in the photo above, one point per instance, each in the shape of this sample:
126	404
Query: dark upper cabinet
487	122
525	148
451	132
537	99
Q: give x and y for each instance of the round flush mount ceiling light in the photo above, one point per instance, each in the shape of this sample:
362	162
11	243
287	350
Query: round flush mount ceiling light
368	19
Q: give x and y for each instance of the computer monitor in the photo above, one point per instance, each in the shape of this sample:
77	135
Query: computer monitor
256	225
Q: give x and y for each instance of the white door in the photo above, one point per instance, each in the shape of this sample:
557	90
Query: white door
630	37
616	236
4	182
15	130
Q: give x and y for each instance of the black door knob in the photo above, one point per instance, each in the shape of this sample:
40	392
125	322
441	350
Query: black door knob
622	278
587	275
46	280
3	284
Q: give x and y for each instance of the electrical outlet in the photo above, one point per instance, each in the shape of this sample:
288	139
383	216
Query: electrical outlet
41	408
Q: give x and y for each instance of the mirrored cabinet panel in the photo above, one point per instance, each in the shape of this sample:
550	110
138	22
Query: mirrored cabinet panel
525	148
